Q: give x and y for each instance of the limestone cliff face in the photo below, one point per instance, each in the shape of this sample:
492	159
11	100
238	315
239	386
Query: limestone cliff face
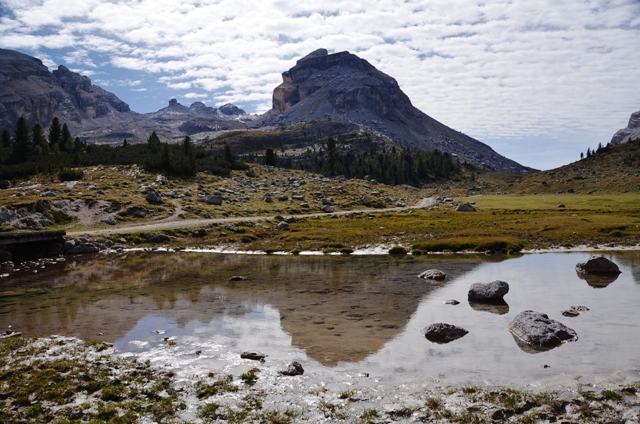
28	89
632	130
344	86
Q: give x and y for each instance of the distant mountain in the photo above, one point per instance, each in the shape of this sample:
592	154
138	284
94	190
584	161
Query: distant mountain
28	89
321	86
632	130
344	86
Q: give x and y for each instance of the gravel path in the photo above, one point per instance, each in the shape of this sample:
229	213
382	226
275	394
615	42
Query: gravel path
175	222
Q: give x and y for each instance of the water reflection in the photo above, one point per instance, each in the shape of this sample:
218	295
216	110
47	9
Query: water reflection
335	308
598	281
498	306
362	313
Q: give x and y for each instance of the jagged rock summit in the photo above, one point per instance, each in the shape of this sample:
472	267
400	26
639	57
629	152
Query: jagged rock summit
344	86
28	89
632	131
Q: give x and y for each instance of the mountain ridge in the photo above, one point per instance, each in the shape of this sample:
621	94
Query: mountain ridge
340	86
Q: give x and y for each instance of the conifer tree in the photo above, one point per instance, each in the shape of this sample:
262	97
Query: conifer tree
228	156
6	139
270	157
21	141
55	134
39	141
154	142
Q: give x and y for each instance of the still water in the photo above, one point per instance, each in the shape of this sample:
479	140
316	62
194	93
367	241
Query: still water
355	314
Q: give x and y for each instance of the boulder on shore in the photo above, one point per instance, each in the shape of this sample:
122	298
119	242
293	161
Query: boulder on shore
256	356
597	265
538	332
443	333
494	290
465	207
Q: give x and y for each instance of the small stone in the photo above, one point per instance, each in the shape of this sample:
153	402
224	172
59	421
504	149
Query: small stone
110	221
451	302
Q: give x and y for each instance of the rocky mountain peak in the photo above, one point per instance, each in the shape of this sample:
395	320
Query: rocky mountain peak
632	130
231	109
72	81
345	86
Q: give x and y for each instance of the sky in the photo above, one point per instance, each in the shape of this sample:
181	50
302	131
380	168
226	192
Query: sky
539	81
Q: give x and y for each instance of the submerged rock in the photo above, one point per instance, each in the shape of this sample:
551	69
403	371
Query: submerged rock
443	333
537	331
293	369
433	274
489	291
451	302
597	265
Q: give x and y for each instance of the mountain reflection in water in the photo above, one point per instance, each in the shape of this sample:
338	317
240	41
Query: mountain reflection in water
350	314
334	308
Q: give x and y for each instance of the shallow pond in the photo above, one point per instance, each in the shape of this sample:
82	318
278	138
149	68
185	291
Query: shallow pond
348	315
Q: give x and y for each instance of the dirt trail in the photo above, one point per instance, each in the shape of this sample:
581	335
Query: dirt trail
175	222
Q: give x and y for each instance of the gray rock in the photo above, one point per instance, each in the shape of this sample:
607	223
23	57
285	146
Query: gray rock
443	333
297	197
110	220
537	331
214	200
433	274
327	200
365	201
282	226
293	369
283	198
289	220
451	302
250	173
465	207
89	248
597	265
153	197
489	291
570	313
268	199
327	209
156	238
233	228
48	194
256	356
400	205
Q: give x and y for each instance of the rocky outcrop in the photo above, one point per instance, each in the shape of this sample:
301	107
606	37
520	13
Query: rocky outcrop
344	86
29	90
537	331
294	368
632	131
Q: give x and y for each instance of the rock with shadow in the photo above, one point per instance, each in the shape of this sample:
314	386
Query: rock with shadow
535	332
598	271
498	307
488	292
442	333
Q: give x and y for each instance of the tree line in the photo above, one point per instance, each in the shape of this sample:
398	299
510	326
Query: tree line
27	152
396	166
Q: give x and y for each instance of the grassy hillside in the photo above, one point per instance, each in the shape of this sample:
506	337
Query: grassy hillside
610	169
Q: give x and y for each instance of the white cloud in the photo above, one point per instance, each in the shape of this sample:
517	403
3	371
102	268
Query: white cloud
195	96
139	89
492	69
